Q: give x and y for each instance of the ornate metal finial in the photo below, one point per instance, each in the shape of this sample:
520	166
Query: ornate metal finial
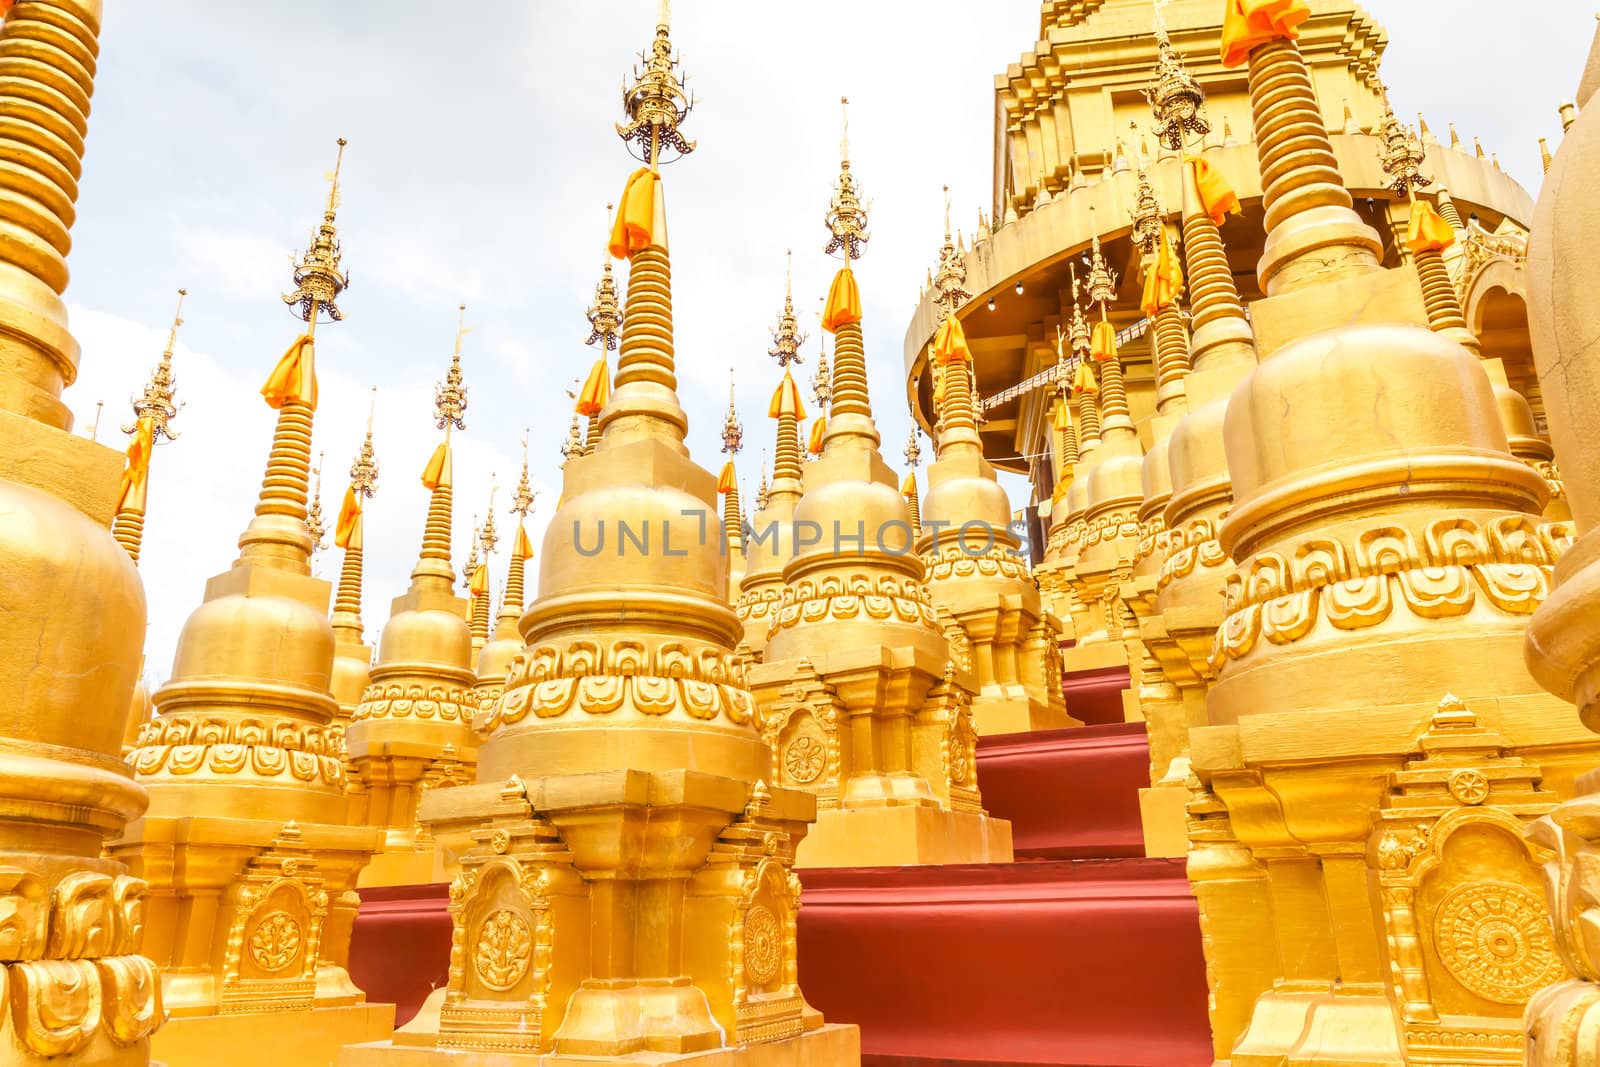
1146	216
822	380
1101	284
763	490
522	500
314	524
156	403
657	103
605	314
487	537
847	214
950	280
1080	328
913	450
1402	153
450	395
364	471
573	445
786	336
732	428
317	278
1175	95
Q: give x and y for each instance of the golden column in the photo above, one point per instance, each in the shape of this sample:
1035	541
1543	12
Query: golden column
864	702
1563	644
728	487
495	658
251	866
412	731
153	412
628	890
78	992
772	539
977	575
1388	554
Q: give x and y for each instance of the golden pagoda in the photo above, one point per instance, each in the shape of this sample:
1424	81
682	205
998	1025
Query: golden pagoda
1563	640
250	864
79	991
153	412
864	700
412	731
628	890
977	575
494	660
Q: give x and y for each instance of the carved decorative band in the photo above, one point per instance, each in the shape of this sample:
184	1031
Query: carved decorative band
954	563
598	678
889	598
182	745
1192	545
395	700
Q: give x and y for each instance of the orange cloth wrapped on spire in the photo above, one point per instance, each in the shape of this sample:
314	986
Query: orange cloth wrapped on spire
596	389
1164	280
1103	342
135	474
522	548
479	586
818	428
438	470
1428	232
1083	380
1217	197
908	486
1059	493
728	480
1247	24
349	517
950	343
635	225
1062	420
844	301
786	399
295	376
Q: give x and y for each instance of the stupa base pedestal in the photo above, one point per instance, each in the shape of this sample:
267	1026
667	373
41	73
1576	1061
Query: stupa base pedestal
1163	814
903	836
309	1036
1298	1029
831	1045
406	867
1017	715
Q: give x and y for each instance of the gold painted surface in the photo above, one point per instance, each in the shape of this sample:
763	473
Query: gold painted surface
626	884
77	989
251	868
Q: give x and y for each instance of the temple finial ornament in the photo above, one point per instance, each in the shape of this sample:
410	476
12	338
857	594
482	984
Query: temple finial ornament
318	279
787	337
605	314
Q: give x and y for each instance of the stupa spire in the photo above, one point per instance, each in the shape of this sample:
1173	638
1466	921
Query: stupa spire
728	482
522	501
950	357
278	537
478	581
314	521
153	412
605	324
449	414
350	531
850	407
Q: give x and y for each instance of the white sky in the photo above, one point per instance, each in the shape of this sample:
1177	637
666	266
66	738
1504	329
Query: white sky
481	157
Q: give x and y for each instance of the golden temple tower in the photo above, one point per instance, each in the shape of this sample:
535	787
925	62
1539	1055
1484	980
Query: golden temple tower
605	325
864	701
977	575
352	656
629	887
1563	642
728	488
412	731
79	991
476	575
250	865
495	658
772	540
1387	554
153	412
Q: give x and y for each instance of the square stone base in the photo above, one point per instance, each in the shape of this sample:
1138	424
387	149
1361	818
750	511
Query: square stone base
991	717
903	836
310	1038
833	1045
1164	819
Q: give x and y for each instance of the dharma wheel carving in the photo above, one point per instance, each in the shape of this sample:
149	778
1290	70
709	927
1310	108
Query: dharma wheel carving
804	758
1494	938
763	945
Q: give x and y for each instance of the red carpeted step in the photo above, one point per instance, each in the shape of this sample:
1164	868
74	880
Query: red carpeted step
1070	793
1087	962
400	947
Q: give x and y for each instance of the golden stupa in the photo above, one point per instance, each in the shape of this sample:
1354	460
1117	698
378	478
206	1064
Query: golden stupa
1306	415
250	864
